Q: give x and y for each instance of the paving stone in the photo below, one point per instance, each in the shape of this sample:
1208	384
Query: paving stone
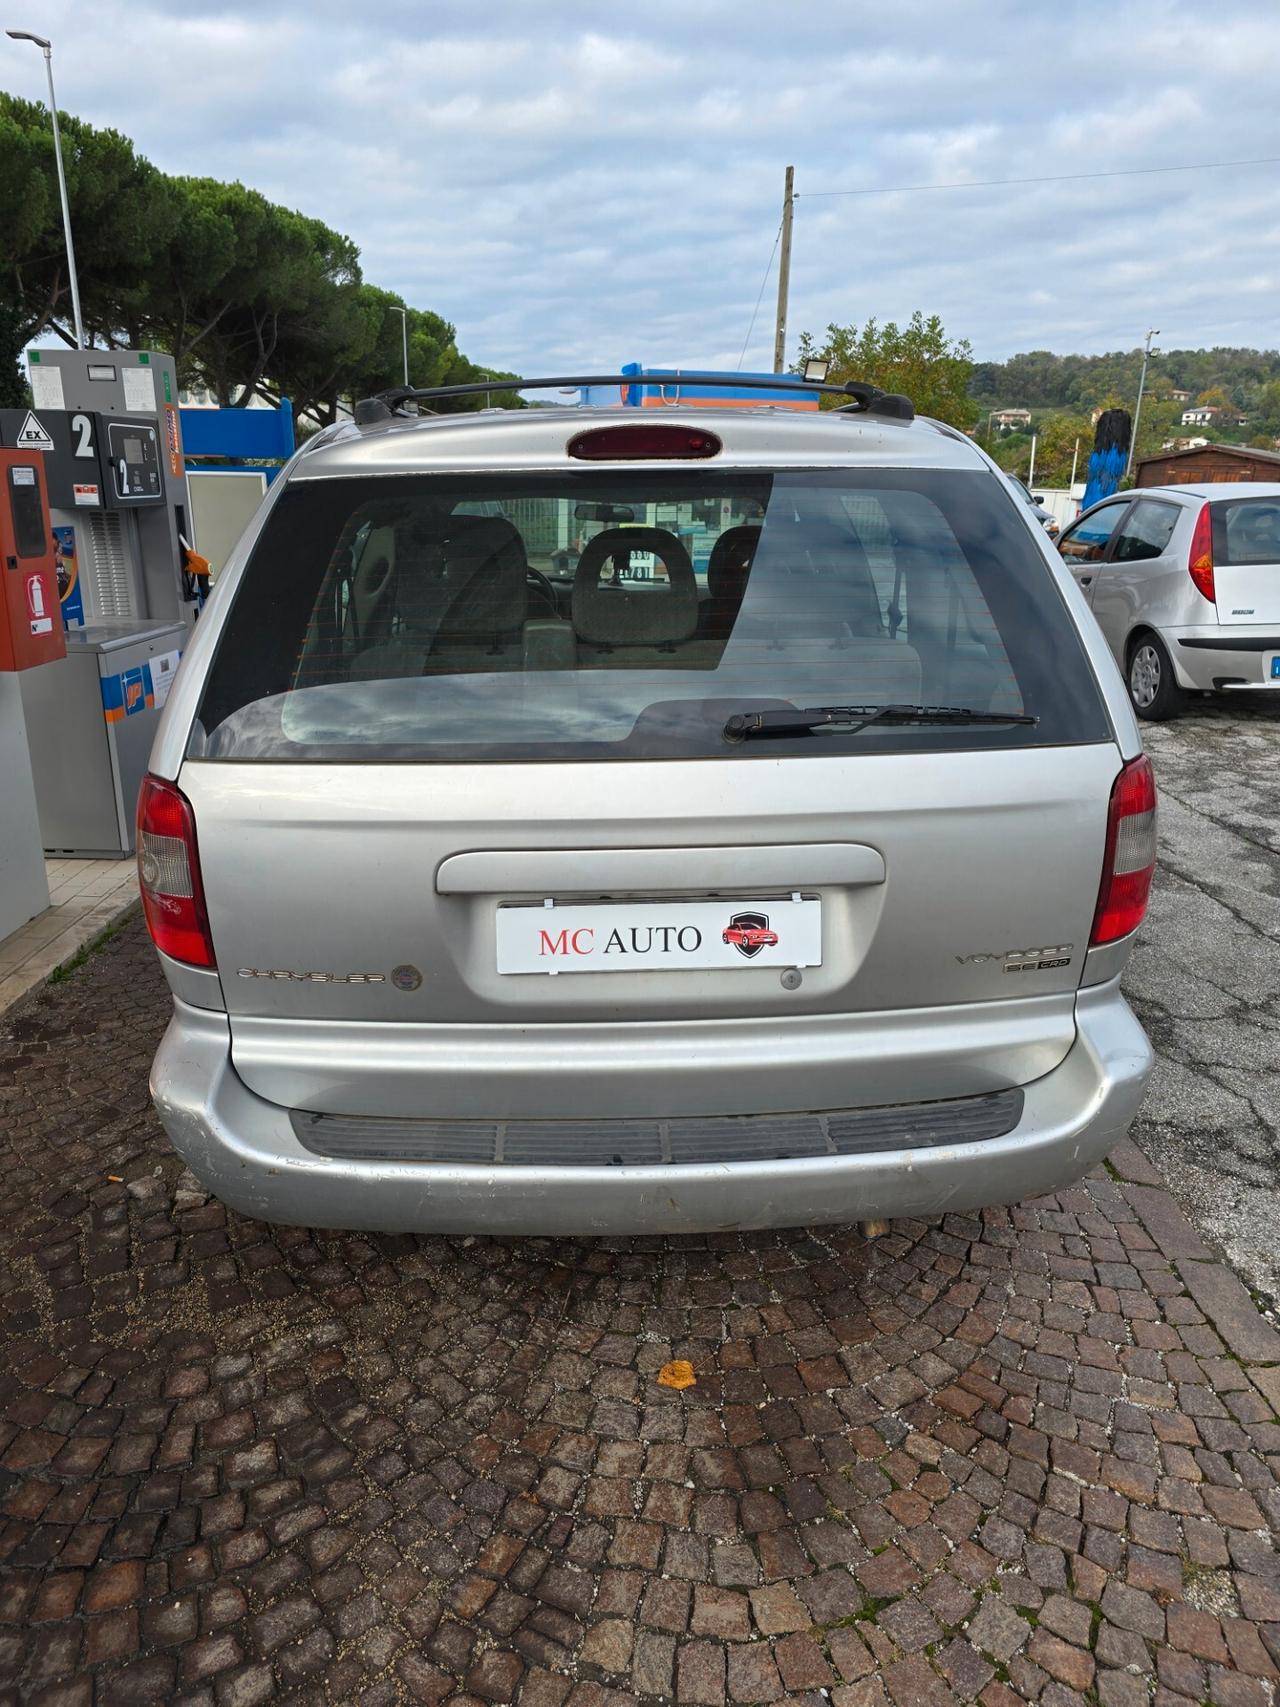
701	1674
652	1664
776	1610
1229	1307
752	1673
608	1644
997	1630
1165	1222
1070	1665
720	1612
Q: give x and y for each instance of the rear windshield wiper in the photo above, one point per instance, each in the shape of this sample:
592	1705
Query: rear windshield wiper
792	720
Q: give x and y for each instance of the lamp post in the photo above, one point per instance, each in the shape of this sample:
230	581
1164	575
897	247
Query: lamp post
404	336
1137	410
47	49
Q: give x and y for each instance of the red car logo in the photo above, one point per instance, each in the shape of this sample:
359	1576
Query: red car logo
749	933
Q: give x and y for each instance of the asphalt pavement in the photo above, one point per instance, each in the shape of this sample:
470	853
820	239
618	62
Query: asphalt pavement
1205	977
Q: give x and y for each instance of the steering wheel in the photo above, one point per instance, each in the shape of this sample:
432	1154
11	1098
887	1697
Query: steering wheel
544	586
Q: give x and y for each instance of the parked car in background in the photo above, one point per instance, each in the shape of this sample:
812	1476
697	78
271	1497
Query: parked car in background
1047	521
1185	584
497	900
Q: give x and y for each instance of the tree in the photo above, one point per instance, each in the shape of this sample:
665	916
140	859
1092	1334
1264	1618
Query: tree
1267	416
1159	422
1038	379
121	215
1056	439
249	298
917	359
241	275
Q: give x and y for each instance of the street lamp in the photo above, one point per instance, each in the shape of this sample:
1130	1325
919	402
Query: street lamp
47	50
404	334
1142	384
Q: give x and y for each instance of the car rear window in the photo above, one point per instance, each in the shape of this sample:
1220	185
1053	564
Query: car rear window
1246	530
593	614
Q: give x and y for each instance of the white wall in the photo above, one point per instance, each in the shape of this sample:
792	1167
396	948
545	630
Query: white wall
24	889
1062	503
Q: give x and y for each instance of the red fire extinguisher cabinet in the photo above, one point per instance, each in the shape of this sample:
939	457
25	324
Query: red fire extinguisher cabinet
31	629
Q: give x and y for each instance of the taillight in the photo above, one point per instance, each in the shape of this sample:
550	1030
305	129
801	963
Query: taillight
1130	859
169	874
1200	561
642	443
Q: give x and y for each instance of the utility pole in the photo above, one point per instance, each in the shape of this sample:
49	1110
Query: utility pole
1075	457
784	275
1031	472
47	50
1142	385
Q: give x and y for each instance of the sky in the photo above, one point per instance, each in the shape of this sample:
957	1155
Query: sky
577	184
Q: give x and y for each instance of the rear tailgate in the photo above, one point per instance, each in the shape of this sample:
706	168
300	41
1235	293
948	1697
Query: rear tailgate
959	887
1246	560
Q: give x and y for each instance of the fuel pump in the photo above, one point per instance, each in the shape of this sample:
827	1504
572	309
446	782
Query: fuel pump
110	428
104	428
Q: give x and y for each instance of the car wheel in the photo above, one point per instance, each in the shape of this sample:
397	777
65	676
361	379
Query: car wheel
1152	687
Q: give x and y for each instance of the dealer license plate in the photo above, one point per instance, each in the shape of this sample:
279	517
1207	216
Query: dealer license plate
660	936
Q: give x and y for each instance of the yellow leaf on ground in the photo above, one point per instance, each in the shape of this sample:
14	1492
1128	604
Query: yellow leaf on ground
677	1374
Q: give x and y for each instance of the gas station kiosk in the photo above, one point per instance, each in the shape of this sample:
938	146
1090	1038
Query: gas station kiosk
105	434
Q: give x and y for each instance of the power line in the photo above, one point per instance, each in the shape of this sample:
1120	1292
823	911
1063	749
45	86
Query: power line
1056	178
759	297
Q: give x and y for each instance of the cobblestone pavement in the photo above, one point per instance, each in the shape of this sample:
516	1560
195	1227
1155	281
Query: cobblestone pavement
1032	1455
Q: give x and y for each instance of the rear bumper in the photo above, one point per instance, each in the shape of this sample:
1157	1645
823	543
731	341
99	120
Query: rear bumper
245	1150
1226	658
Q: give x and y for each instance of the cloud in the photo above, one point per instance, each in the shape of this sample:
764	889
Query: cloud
577	184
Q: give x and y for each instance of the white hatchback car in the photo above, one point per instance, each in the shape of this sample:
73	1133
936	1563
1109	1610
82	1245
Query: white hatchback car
1185	584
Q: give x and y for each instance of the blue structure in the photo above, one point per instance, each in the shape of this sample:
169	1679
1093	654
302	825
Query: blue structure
661	387
240	435
1110	455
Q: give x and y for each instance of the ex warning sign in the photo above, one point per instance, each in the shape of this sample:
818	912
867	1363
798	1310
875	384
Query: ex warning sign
32	436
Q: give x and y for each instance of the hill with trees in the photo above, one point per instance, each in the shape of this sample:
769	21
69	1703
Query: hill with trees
1042	380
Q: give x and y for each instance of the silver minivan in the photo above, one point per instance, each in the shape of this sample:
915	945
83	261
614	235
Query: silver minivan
582	821
1184	582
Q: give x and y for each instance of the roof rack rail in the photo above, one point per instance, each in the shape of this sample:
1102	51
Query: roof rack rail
865	399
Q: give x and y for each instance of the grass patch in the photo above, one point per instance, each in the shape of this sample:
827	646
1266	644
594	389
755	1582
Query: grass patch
95	945
1095	1623
869	1609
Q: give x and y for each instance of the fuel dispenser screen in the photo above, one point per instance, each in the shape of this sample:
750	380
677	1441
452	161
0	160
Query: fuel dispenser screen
135	460
29	534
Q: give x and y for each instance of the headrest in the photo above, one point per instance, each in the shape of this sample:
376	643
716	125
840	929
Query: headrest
486	578
648	613
730	563
467	576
